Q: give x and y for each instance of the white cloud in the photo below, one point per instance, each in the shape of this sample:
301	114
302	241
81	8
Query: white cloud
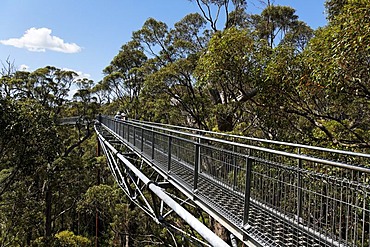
24	67
80	75
40	40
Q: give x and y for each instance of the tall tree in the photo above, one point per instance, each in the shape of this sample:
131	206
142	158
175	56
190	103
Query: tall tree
231	70
231	11
334	8
34	156
323	90
275	22
338	63
162	60
29	147
177	63
124	76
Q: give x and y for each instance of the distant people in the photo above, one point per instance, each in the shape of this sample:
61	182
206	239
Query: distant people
123	116
117	116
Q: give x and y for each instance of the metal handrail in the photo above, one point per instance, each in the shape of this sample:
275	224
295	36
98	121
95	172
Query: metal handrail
71	120
268	150
206	233
326	200
295	145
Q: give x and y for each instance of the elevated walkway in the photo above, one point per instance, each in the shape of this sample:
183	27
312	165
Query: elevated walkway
265	193
72	121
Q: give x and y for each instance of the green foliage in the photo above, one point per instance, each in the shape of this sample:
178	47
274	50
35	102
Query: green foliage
69	239
279	24
63	239
103	197
334	8
152	76
211	10
232	71
29	145
262	76
338	67
124	77
38	159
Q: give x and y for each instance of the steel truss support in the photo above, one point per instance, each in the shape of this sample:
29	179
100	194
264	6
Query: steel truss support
150	195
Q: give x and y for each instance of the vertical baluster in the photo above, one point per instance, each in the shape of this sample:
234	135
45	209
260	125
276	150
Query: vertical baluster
235	177
123	130
169	153
153	144
142	140
196	164
248	177
128	133
299	187
134	131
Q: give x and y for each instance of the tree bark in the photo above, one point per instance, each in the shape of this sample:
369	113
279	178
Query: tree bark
224	121
220	230
48	205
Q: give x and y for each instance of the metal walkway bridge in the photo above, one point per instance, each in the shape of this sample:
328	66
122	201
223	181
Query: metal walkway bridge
266	193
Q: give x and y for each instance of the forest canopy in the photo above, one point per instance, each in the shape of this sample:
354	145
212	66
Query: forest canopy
266	75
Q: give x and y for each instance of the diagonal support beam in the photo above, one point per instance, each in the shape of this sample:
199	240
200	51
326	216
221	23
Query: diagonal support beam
205	232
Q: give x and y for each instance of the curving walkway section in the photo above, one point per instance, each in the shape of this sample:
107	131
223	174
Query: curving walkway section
265	193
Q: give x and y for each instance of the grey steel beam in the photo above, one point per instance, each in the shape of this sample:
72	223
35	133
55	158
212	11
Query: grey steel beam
205	232
295	190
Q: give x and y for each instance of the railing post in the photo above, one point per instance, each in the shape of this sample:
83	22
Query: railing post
152	144
299	188
134	131
196	164
123	131
169	153
119	129
142	140
247	194
128	133
235	177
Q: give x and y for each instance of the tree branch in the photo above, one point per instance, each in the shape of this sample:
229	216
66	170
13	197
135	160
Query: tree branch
80	141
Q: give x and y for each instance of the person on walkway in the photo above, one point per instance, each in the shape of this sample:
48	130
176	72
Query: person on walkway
123	116
117	116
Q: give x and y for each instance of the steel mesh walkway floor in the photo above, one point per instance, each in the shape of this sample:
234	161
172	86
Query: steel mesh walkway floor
264	225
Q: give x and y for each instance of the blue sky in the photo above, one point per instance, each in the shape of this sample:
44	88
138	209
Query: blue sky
85	35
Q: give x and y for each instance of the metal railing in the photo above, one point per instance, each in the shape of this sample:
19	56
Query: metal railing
292	195
72	121
136	186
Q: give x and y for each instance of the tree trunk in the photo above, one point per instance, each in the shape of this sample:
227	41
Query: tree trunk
96	227
127	240
48	205
224	118
220	230
224	121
